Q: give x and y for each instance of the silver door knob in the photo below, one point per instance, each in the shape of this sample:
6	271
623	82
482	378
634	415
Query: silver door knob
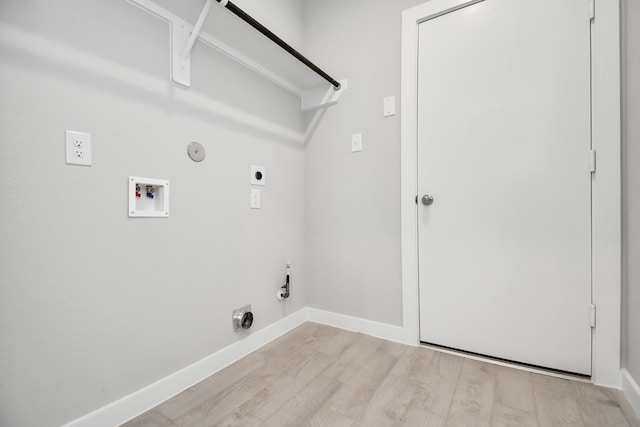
427	200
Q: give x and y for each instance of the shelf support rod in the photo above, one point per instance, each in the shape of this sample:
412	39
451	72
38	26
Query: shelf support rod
196	31
277	40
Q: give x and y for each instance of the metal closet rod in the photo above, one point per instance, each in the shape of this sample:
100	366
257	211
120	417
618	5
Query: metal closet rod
277	40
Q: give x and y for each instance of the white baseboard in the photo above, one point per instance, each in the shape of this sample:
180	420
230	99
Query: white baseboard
131	406
367	327
631	390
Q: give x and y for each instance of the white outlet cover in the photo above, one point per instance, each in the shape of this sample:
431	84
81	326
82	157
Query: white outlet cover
255	198
258	175
78	148
356	142
389	106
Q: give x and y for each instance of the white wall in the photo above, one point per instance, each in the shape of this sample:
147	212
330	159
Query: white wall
631	187
353	206
94	305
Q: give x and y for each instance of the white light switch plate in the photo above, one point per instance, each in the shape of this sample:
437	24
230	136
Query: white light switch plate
389	106
78	148
356	142
255	198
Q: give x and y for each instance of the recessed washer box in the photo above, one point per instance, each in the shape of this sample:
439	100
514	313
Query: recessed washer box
148	197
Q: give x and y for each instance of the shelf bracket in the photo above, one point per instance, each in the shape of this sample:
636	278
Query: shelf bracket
183	36
322	96
182	40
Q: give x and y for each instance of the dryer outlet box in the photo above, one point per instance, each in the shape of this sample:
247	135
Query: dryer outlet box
258	175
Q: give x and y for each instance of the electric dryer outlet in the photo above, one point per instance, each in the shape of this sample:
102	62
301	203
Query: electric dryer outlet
258	175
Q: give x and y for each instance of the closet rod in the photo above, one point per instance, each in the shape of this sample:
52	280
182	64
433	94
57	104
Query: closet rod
277	40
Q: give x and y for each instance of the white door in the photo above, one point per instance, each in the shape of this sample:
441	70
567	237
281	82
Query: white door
504	150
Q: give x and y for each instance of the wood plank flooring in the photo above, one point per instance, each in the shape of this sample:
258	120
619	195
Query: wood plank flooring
321	376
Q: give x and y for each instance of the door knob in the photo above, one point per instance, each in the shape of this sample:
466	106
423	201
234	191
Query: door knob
427	200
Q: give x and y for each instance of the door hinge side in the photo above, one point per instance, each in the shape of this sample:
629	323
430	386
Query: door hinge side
592	315
592	9
592	161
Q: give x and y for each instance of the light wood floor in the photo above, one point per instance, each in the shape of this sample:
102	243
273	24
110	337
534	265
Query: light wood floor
321	376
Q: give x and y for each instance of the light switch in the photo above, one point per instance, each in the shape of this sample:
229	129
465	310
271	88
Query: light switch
255	198
356	142
389	106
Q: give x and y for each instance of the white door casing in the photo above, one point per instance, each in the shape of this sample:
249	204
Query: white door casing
503	147
606	184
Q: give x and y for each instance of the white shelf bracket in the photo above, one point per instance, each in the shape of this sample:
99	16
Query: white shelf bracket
182	40
185	34
196	30
322	96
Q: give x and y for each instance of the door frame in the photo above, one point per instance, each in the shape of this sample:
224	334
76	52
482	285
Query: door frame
606	182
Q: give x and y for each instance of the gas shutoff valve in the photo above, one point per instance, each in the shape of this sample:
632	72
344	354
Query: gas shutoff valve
283	292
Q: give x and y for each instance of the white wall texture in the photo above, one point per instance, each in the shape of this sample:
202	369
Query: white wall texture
631	187
95	305
281	16
352	204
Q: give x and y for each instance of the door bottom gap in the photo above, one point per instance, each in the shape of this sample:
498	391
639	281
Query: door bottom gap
508	363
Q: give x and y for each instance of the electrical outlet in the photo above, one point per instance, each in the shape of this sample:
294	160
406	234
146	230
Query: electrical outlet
78	148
